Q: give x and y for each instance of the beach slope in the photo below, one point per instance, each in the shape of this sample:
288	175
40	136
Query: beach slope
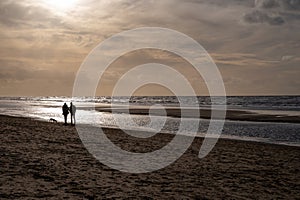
47	160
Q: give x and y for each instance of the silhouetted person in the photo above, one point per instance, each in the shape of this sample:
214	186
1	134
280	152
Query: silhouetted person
72	111
65	110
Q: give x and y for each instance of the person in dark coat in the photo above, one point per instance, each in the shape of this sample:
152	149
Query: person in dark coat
72	111
65	110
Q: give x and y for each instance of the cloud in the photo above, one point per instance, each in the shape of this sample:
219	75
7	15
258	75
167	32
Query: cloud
241	60
273	12
16	14
287	57
266	3
258	16
284	5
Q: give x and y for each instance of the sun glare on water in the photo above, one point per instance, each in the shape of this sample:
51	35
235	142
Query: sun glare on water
61	5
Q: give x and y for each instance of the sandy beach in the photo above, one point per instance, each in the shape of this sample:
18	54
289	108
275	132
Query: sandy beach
48	160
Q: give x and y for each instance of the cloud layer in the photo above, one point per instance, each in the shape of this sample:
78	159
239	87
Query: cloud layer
254	43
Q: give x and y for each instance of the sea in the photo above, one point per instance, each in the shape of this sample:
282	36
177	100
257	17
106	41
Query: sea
284	133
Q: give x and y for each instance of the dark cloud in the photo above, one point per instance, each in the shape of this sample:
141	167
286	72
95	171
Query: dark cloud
273	12
262	17
292	5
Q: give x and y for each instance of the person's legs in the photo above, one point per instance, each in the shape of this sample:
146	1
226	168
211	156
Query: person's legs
71	119
65	119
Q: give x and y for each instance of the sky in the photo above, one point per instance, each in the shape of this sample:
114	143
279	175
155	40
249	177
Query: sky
254	43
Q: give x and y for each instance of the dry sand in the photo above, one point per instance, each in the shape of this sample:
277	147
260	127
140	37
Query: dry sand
48	160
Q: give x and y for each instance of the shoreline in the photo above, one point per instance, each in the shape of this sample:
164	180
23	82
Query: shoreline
48	160
222	137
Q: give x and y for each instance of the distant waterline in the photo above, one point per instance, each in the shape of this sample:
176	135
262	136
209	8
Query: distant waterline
45	108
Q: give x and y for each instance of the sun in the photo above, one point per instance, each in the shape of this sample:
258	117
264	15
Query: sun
61	5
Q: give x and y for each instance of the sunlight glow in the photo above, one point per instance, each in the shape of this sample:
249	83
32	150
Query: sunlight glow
61	5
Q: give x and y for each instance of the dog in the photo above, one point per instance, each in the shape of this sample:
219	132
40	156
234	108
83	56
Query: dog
52	120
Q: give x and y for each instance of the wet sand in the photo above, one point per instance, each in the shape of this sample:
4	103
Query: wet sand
48	160
238	115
